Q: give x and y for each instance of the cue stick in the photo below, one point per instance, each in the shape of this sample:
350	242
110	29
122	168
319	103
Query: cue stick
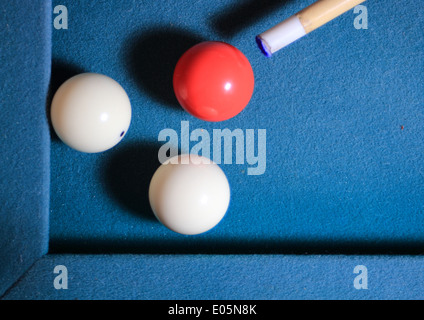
302	23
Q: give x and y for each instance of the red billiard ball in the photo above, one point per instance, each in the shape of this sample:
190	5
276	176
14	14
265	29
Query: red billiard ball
213	81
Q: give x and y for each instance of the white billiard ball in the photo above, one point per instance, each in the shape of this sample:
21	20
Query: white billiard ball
189	194
91	112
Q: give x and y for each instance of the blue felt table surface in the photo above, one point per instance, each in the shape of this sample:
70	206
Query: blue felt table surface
342	109
343	113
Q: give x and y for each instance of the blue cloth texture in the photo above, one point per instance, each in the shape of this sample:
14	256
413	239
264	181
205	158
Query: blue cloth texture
342	110
25	53
230	277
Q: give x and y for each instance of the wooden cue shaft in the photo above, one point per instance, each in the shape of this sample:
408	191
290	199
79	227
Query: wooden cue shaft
323	11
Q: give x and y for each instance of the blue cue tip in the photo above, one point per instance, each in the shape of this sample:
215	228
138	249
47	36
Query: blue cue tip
263	47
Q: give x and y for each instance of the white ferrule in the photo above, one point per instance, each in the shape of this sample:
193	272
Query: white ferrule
283	34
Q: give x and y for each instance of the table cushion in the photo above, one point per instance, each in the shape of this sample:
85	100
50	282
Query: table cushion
25	52
223	277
